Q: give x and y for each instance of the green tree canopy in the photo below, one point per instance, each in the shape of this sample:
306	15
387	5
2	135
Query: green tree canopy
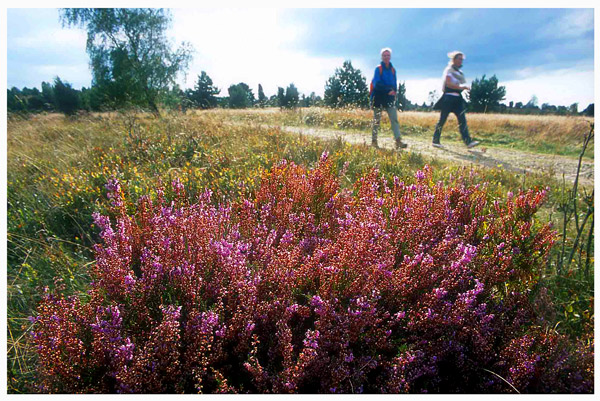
347	87
262	99
48	95
66	98
204	93
240	96
532	103
573	108
131	59
281	100
485	94
92	99
401	100
15	101
291	96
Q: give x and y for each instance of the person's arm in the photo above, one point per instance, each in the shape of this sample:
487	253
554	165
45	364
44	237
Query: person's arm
452	85
393	91
380	86
376	80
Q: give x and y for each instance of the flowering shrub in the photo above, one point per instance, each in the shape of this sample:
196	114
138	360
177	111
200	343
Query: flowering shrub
304	287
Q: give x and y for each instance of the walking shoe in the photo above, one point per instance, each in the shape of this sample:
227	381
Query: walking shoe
400	144
437	145
472	144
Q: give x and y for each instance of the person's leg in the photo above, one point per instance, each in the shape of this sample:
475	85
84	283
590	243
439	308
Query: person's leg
393	115
438	127
376	123
460	111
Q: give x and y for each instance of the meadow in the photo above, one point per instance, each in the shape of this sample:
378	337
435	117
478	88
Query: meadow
166	254
560	135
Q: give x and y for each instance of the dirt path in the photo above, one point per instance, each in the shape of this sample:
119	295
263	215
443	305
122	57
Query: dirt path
509	159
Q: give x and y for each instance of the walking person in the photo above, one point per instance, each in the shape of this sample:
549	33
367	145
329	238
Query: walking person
453	84
383	97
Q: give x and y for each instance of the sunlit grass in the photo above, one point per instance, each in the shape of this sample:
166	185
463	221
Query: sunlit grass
560	135
58	167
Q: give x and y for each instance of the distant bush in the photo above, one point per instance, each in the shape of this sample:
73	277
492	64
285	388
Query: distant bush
313	118
66	98
304	287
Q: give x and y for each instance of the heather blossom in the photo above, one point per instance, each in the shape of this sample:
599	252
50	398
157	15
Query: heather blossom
304	287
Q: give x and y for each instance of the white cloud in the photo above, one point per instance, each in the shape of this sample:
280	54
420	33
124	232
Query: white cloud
77	75
417	90
574	24
560	87
253	46
74	39
245	45
447	20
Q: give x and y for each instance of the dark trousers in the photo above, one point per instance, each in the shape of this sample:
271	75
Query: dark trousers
452	104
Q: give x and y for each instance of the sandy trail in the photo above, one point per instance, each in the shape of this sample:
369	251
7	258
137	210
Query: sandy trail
509	159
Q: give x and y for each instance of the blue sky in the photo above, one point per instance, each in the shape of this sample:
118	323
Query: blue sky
544	52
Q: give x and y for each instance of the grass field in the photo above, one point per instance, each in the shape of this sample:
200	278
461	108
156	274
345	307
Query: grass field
560	135
58	169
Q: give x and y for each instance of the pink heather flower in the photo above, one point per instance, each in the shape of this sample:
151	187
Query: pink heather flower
431	314
331	269
158	268
177	186
205	196
125	351
440	293
420	175
292	308
103	222
469	252
287	238
112	186
318	304
311	340
399	315
114	192
208	321
129	280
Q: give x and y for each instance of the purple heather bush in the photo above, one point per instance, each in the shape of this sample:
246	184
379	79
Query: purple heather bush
304	287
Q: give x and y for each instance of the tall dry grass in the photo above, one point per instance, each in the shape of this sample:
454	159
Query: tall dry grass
547	134
550	128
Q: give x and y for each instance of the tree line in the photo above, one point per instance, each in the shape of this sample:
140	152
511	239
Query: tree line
346	88
60	96
134	65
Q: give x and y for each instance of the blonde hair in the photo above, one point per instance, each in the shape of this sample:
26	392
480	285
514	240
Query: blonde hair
452	55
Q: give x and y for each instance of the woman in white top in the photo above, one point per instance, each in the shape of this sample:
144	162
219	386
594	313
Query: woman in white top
453	83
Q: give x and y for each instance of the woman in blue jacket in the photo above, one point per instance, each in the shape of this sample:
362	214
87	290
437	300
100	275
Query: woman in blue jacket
383	96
